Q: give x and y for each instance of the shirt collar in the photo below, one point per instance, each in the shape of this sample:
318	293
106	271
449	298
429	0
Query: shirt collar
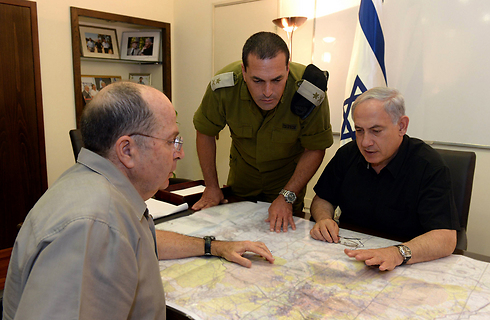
244	93
115	177
395	165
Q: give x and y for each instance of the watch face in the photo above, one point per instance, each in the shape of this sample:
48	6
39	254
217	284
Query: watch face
405	251
408	252
289	196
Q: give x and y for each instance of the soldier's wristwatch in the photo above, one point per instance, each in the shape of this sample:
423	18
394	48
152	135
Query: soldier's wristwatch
207	244
405	252
289	196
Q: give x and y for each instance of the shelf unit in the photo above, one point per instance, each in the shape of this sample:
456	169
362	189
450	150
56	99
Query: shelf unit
81	16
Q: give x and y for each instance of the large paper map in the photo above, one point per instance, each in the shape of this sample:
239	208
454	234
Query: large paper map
311	279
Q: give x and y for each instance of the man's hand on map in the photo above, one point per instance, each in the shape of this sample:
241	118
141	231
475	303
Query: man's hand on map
280	215
210	197
234	250
325	230
386	258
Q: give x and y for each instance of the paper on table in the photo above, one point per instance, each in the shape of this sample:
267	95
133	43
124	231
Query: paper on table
189	191
160	209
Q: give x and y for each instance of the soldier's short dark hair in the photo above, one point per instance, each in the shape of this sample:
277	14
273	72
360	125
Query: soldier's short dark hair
265	45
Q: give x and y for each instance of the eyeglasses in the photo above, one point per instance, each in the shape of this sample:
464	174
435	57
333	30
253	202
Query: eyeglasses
177	142
351	242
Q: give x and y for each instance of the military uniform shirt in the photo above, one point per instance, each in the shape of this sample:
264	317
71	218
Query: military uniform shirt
265	148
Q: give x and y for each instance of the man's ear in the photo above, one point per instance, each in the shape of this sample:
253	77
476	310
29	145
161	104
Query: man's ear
403	125
126	150
243	71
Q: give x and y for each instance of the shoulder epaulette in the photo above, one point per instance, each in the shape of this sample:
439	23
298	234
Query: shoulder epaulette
223	80
311	91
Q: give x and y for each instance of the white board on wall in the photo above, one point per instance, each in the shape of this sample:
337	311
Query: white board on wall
436	55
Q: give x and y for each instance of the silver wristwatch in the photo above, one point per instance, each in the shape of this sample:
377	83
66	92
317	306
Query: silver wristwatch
289	196
405	252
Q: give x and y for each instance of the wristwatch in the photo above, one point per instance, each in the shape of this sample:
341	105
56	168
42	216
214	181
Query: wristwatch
405	252
289	196
207	244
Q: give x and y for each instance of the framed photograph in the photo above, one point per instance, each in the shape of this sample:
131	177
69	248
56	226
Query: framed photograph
99	42
143	46
91	85
141	78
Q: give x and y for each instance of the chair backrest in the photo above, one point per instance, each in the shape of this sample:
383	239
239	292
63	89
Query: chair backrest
76	142
462	168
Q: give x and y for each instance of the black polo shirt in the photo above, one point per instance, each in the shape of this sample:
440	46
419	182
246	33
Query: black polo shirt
409	197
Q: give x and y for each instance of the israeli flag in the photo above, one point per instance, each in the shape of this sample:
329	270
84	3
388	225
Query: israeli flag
367	65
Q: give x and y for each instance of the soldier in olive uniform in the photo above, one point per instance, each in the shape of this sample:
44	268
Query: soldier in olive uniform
274	152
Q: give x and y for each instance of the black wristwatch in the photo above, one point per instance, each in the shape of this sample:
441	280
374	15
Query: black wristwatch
207	244
289	196
405	252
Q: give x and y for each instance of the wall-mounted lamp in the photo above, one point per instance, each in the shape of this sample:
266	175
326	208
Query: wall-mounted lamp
289	24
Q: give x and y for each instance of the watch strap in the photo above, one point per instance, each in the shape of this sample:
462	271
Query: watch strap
207	244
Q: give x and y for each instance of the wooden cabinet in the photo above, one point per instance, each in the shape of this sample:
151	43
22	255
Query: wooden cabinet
23	177
160	70
23	174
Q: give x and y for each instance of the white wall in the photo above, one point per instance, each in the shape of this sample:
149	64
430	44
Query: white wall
192	41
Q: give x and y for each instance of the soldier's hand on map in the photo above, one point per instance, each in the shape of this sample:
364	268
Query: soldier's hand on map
280	215
210	197
325	230
233	251
386	258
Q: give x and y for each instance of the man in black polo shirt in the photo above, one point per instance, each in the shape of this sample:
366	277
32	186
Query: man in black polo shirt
388	183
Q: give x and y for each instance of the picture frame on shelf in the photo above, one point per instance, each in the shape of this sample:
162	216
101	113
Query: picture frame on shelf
141	78
99	42
141	46
91	85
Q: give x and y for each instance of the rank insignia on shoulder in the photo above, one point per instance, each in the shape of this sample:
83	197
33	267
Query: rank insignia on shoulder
222	80
311	91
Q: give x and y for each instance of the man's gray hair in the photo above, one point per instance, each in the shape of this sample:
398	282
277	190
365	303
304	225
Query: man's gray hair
118	110
394	103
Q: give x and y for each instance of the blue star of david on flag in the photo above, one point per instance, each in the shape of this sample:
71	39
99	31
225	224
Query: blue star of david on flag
367	67
347	130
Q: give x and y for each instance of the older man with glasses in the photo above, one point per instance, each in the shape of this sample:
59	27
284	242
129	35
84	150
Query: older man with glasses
88	249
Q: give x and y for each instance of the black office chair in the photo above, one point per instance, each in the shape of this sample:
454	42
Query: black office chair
76	142
462	168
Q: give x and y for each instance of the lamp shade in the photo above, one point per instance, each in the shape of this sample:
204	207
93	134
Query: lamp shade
289	24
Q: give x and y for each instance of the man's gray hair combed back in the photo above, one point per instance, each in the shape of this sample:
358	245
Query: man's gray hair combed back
119	109
394	103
